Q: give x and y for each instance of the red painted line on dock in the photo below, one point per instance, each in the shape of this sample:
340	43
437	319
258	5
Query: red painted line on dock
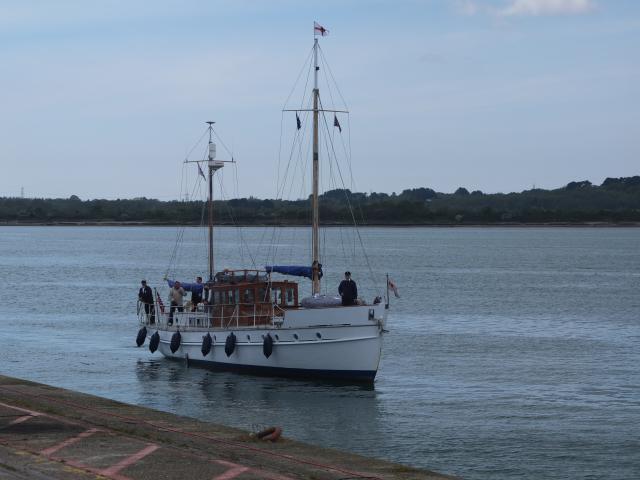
270	475
136	457
21	419
233	472
23	410
34	413
87	468
69	441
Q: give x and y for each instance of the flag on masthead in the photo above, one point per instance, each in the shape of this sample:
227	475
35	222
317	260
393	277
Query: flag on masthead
298	122
336	123
201	172
319	30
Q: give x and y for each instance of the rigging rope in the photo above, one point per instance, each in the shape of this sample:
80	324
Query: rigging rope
347	197
297	163
243	243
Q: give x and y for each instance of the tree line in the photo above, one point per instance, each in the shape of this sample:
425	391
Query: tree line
616	200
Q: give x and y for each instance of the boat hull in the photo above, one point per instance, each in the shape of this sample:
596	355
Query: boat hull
342	343
342	352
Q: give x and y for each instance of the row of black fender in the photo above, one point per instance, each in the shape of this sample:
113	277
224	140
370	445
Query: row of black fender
207	343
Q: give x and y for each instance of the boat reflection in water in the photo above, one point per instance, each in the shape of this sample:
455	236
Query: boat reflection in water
307	410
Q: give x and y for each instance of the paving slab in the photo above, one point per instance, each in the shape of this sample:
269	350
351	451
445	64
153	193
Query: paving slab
49	432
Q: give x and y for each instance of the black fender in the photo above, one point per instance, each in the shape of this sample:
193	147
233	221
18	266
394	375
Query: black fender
142	336
267	346
176	338
230	344
154	341
207	342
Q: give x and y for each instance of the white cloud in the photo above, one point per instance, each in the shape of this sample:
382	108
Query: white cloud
467	7
546	7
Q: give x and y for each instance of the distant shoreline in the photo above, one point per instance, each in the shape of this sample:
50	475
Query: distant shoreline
614	203
368	225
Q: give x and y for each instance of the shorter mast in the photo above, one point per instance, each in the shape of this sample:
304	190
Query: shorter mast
214	165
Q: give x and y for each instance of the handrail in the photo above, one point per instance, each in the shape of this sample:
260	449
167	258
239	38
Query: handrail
255	315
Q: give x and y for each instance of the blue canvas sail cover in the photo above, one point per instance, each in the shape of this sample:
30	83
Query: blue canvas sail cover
189	287
296	270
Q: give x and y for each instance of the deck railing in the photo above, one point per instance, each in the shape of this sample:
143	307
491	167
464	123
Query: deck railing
258	315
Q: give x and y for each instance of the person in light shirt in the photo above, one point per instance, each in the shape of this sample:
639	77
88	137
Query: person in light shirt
176	298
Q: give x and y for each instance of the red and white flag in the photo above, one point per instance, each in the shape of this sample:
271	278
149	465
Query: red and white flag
392	285
319	30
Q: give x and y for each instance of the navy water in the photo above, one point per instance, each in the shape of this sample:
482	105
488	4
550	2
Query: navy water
513	352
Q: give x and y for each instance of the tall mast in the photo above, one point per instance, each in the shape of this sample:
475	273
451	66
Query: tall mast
211	164
314	198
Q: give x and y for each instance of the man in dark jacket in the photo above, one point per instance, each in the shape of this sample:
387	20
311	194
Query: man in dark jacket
145	295
348	290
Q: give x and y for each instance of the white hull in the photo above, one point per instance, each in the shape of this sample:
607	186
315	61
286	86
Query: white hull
338	342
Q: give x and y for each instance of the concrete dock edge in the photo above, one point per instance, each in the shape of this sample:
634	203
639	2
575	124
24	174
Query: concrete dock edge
49	432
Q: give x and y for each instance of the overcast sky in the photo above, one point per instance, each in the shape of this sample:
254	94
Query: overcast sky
105	99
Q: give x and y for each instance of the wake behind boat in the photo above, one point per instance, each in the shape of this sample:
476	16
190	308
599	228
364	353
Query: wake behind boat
253	320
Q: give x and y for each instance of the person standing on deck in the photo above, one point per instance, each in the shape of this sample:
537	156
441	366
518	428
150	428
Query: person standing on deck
145	295
176	297
348	290
196	295
206	294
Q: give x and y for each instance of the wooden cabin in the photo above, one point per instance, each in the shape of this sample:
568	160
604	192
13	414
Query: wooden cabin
248	297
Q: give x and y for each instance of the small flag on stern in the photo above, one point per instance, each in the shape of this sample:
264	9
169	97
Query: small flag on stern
200	171
336	123
393	287
319	30
160	304
298	122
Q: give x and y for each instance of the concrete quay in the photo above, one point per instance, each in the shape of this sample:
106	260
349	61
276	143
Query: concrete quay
52	433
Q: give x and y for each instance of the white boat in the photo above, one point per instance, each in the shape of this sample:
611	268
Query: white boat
252	321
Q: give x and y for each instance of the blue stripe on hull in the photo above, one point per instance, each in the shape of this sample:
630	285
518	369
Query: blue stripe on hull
360	376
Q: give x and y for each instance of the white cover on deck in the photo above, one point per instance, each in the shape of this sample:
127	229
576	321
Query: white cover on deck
321	301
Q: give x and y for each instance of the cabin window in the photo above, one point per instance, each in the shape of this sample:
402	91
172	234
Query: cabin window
290	296
248	295
262	295
216	297
277	296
